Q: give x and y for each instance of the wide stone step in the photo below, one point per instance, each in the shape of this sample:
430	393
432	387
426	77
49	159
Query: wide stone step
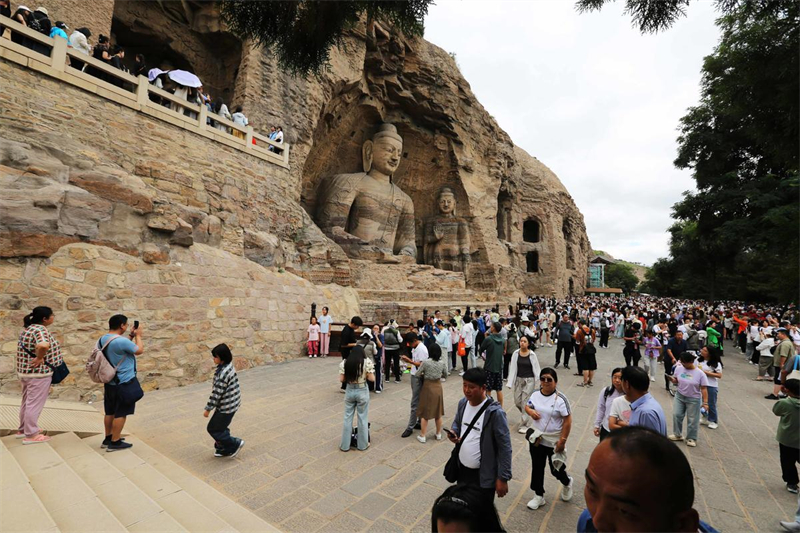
194	504
71	503
132	506
16	493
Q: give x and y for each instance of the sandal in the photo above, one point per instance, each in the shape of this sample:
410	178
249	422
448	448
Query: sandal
582	385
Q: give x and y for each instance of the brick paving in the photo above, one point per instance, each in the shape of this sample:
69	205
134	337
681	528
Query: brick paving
292	474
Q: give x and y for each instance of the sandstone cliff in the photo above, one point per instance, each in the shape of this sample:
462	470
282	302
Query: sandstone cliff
85	180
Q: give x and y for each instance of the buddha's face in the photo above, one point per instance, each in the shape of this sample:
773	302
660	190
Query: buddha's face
386	154
447	203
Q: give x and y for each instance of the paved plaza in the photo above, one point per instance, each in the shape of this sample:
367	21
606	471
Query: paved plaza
292	474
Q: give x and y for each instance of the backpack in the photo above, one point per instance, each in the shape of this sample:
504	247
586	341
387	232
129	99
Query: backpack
99	369
481	326
589	349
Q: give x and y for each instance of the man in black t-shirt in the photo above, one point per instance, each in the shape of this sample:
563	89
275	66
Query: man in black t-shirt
348	339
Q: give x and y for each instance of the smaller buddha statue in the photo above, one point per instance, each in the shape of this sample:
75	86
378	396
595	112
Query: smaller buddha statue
446	237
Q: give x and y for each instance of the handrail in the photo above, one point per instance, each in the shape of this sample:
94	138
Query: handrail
134	92
26	31
101	65
171	97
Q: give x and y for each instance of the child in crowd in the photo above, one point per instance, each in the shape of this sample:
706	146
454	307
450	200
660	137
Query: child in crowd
224	401
788	435
313	338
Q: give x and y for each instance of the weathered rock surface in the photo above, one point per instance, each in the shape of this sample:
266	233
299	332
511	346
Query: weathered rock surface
104	209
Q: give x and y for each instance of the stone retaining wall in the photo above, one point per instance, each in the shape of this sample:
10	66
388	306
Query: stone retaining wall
203	297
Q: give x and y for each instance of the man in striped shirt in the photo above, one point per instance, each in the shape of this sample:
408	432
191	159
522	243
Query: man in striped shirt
224	401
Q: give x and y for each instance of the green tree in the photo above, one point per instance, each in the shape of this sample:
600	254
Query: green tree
736	236
301	33
652	16
621	276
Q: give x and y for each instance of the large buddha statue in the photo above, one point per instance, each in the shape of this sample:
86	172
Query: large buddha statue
366	213
447	243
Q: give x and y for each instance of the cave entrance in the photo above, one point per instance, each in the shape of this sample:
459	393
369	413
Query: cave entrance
532	261
531	231
504	216
188	40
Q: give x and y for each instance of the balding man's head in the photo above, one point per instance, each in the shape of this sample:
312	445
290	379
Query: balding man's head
637	480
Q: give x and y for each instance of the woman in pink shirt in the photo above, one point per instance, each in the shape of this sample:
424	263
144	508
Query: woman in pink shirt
692	386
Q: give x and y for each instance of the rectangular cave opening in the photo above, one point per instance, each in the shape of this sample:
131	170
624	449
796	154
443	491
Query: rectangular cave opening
180	35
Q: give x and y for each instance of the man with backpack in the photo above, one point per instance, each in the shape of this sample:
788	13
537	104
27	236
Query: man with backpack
122	392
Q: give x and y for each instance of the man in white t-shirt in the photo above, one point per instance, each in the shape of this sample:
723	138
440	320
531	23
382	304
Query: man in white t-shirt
485	462
419	353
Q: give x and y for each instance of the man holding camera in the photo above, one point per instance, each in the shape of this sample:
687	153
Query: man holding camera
121	393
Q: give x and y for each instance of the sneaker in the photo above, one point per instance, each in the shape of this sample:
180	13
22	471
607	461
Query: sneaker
554	366
566	491
712	425
443	380
536	502
792	527
407	433
691	443
107	441
422	439
378	392
652	379
398	381
461	373
566	366
791	488
219	453
771	397
19	435
675	437
118	445
439	436
522	430
241	445
704	421
35	440
343	391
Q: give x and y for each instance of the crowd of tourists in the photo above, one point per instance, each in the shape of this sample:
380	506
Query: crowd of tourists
185	86
498	351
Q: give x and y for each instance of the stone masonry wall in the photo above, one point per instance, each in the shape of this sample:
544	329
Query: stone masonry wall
205	296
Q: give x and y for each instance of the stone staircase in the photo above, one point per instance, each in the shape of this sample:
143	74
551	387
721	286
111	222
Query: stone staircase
71	484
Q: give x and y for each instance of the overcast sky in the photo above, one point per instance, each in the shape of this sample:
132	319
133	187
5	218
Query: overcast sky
590	97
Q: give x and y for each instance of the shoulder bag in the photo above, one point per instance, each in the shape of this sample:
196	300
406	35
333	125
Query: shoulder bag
453	464
60	372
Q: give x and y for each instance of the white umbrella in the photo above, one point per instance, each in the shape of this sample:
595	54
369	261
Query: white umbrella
153	73
187	79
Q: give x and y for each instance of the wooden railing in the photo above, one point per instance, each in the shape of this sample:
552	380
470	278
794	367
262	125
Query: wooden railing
133	92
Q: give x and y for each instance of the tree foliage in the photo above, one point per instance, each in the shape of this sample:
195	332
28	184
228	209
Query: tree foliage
736	236
652	16
301	33
621	276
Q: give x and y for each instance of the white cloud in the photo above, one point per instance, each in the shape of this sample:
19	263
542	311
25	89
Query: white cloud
592	98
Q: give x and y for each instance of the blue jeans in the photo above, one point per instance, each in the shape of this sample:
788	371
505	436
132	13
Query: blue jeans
688	408
356	398
712	404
